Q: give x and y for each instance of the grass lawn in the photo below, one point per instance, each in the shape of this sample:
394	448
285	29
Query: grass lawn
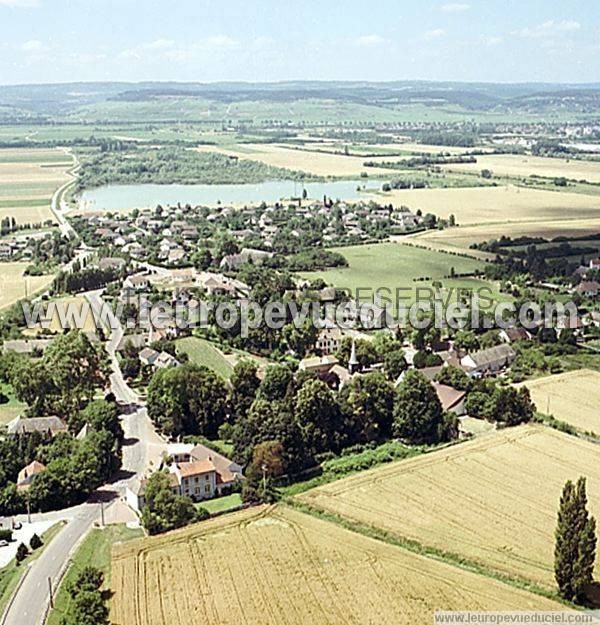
202	352
398	271
11	409
221	504
12	573
94	551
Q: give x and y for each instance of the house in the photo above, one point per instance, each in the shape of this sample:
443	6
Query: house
148	356
195	471
27	474
510	335
489	360
595	264
452	400
138	341
137	282
196	479
234	261
49	425
588	288
26	346
318	364
112	263
165	360
328	340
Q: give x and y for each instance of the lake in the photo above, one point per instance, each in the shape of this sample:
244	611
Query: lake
121	197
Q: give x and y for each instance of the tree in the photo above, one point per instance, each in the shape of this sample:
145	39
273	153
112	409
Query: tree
22	553
267	463
394	363
244	385
277	383
164	510
89	608
319	417
575	546
187	400
35	542
418	414
454	377
367	404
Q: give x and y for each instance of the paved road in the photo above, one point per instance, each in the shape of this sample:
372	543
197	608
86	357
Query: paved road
30	603
143	445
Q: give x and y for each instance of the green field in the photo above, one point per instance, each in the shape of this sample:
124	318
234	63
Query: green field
94	551
399	270
202	352
11	409
221	504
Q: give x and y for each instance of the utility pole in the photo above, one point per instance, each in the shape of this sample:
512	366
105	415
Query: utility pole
28	511
51	594
102	512
264	478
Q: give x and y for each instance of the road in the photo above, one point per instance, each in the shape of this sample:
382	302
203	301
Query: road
58	208
142	446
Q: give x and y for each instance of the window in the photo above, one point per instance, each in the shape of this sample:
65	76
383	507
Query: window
207	488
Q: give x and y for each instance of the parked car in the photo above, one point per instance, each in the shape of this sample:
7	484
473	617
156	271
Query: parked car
3	543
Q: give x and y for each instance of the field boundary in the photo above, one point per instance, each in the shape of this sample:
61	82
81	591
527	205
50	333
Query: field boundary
414	546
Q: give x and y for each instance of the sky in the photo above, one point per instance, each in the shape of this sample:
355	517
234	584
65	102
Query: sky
273	40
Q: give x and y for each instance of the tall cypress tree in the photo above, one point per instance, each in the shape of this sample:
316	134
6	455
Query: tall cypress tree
564	550
575	549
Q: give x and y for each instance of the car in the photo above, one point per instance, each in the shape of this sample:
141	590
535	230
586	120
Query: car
3	543
17	525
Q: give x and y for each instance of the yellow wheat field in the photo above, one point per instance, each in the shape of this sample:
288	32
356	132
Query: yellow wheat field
479	205
459	239
278	566
317	163
15	286
523	165
492	500
28	179
573	397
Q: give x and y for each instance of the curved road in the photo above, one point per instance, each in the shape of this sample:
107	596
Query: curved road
31	601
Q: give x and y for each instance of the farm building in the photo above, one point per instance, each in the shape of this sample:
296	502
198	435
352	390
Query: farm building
27	474
489	360
452	400
51	425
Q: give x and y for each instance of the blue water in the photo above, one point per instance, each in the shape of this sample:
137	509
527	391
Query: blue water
121	197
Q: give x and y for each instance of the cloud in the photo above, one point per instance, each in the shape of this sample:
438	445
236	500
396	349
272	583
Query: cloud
33	45
160	44
20	4
434	34
490	40
369	40
549	28
221	41
454	7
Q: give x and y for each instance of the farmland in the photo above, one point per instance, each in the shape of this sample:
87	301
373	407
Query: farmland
479	205
316	163
392	266
523	166
201	352
28	179
572	397
459	239
73	308
278	566
492	501
14	285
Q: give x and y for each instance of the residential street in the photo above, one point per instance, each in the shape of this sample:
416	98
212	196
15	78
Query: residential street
142	446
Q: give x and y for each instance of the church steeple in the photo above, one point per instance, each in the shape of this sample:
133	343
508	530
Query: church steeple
353	362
